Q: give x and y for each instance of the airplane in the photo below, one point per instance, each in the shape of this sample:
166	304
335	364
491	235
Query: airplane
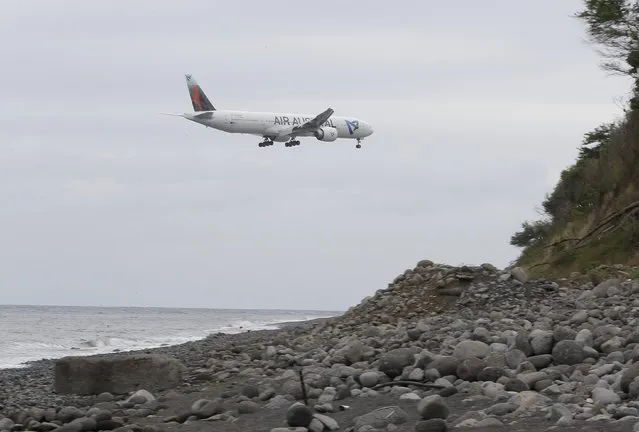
273	127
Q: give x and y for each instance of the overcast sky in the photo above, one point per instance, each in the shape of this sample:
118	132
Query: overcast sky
476	106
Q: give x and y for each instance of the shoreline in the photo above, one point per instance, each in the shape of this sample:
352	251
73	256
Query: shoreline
32	384
276	326
284	325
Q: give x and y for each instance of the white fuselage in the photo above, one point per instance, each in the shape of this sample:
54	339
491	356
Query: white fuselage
271	125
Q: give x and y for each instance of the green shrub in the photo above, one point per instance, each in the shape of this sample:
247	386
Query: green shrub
531	233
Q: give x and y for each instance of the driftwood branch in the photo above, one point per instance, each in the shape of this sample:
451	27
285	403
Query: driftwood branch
557	243
303	387
408	382
540	264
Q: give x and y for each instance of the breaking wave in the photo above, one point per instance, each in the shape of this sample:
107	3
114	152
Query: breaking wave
125	330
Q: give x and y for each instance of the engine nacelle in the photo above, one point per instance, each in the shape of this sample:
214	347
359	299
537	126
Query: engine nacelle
326	134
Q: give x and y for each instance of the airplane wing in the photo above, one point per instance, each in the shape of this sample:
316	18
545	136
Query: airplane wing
309	126
315	122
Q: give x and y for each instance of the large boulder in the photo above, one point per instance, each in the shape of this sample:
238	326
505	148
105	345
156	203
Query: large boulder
432	407
568	352
116	373
393	362
471	348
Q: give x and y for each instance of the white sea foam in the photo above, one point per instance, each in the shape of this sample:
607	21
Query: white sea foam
29	333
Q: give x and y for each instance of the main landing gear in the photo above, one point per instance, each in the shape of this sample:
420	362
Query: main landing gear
266	143
292	143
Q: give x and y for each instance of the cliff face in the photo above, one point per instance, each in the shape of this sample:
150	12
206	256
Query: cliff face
592	215
590	218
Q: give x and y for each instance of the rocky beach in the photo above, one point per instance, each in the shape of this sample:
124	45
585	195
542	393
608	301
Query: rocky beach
441	348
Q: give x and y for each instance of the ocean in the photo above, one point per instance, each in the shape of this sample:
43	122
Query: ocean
29	333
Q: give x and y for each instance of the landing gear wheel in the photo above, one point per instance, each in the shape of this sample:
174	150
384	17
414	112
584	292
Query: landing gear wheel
358	146
292	143
359	143
265	143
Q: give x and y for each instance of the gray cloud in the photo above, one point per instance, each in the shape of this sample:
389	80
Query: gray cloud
476	107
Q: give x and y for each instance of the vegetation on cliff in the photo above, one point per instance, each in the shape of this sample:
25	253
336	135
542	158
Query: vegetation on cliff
591	216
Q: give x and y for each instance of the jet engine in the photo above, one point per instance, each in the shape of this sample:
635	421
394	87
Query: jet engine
326	134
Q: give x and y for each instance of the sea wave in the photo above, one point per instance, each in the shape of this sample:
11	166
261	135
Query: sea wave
17	353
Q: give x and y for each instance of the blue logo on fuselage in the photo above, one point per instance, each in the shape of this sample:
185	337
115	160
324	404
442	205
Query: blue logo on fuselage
352	126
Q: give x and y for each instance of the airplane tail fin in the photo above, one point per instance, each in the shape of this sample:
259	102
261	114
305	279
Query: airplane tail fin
198	98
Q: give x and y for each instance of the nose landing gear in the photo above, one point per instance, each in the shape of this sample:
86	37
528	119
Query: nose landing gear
359	143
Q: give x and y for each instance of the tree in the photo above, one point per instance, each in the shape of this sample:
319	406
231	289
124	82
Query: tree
614	25
530	234
594	141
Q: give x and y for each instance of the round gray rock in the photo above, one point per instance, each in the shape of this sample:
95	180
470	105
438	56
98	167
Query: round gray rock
299	414
541	341
246	407
471	348
369	379
568	352
469	368
432	407
629	376
393	362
